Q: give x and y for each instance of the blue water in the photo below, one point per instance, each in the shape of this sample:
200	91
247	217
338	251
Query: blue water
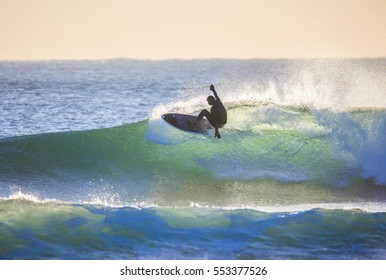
89	170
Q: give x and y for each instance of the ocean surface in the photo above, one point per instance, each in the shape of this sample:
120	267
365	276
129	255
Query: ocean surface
89	170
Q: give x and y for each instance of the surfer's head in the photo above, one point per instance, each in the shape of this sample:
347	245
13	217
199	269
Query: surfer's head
210	100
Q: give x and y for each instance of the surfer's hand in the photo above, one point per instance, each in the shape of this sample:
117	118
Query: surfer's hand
211	87
217	135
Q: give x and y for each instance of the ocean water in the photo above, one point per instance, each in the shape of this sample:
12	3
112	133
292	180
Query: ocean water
89	170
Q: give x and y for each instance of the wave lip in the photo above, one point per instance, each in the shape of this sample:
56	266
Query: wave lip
365	206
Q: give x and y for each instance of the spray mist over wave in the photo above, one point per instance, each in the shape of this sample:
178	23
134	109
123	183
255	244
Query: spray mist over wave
337	85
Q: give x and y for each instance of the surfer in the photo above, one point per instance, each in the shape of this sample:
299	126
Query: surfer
217	116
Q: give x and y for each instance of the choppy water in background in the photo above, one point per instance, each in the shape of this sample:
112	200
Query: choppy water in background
88	170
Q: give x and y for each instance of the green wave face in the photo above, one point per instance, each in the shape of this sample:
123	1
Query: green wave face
267	155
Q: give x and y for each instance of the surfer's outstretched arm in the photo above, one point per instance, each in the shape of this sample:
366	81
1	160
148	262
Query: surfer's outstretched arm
214	91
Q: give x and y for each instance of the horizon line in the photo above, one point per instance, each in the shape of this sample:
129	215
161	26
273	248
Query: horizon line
192	59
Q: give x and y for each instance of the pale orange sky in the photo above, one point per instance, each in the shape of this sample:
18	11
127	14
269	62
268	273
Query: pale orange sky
162	29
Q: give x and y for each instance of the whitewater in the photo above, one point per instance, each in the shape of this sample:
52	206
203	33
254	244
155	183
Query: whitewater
89	170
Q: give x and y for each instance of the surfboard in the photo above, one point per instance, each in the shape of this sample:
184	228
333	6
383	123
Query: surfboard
187	123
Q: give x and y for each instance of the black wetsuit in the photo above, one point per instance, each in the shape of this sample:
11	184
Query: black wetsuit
217	116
